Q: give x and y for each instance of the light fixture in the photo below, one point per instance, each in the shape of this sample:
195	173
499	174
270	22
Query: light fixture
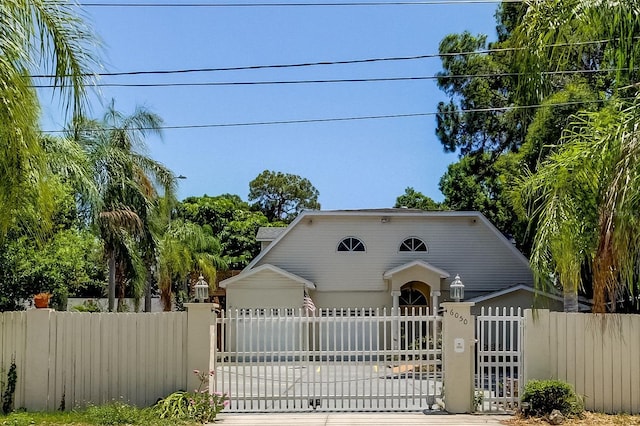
456	289
202	289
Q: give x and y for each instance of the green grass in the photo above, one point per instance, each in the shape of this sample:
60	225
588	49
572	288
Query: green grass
116	413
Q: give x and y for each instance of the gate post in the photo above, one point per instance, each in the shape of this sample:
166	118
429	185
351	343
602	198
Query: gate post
199	321
458	349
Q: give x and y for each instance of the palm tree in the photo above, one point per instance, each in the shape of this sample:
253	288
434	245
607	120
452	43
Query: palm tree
581	199
584	199
50	37
187	249
577	35
129	185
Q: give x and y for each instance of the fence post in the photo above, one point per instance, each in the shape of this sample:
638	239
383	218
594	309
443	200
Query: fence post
458	350
536	348
36	366
199	321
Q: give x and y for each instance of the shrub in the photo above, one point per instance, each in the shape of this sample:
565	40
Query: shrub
9	387
199	406
544	396
89	305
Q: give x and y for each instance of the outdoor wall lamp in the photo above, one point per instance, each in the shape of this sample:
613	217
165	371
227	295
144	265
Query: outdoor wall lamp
202	289
456	289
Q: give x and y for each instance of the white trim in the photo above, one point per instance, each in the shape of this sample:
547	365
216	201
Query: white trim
389	213
525	287
389	274
308	284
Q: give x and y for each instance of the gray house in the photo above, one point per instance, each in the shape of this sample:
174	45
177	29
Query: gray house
384	258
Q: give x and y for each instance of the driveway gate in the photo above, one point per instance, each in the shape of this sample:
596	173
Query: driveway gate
336	360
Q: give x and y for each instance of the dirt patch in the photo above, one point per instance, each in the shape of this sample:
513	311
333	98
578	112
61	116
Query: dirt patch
588	419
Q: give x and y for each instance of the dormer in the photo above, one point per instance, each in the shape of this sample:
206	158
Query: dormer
266	235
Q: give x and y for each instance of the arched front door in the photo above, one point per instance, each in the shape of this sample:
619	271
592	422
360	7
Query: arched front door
414	295
414	300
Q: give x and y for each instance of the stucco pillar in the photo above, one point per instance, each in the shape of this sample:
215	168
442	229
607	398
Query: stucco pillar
458	349
36	367
200	318
395	312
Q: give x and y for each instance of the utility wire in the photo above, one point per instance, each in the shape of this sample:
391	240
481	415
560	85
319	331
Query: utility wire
360	118
342	80
316	4
322	63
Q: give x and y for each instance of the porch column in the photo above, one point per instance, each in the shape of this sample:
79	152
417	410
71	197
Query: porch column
458	348
395	312
434	302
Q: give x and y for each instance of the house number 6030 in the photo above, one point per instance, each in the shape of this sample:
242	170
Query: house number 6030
459	317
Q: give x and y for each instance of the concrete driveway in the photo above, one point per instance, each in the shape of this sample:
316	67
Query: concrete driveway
368	419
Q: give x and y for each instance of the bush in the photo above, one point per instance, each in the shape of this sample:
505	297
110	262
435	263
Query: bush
544	396
89	305
199	406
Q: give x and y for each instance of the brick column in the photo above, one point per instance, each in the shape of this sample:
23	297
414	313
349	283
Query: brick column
458	353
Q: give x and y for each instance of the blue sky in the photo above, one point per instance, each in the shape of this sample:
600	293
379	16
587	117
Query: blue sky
353	164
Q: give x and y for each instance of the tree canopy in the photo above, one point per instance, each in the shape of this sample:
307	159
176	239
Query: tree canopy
413	199
282	196
551	175
231	220
48	37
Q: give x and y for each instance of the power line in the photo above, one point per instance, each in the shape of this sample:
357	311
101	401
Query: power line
342	80
324	63
316	4
360	118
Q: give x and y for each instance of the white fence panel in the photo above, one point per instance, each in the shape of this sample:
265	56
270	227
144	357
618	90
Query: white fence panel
13	326
93	357
596	353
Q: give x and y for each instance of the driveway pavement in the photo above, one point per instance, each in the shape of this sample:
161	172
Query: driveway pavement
356	419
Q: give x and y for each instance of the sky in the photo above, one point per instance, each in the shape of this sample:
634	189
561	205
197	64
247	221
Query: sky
353	164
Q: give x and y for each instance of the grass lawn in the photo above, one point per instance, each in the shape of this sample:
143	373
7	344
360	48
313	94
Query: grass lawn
113	414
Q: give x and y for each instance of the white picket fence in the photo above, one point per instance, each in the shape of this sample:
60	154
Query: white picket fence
351	360
499	359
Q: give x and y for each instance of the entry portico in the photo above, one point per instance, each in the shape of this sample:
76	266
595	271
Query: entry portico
416	275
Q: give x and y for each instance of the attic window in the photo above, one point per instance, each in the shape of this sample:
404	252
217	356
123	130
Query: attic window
413	244
351	244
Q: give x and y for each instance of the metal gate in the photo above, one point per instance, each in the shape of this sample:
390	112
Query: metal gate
498	360
278	360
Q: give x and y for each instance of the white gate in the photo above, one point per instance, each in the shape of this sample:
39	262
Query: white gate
499	360
336	360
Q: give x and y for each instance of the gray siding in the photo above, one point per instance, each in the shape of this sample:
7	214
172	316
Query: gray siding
462	245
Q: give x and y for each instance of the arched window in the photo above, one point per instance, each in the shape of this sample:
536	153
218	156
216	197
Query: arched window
413	244
351	244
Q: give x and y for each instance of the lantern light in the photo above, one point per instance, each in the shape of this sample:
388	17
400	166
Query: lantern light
457	289
202	289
